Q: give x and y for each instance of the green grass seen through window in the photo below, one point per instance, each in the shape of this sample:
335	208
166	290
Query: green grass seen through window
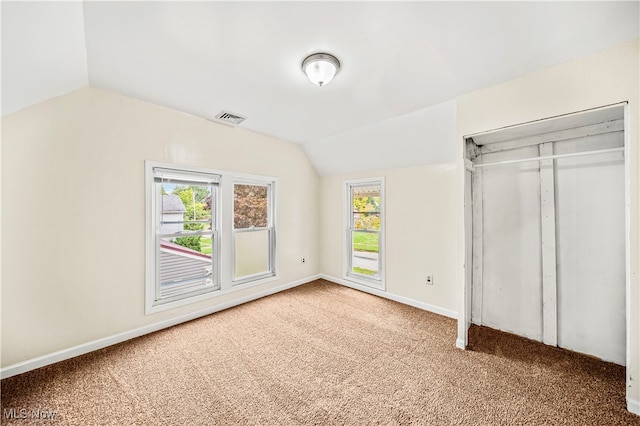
365	241
363	271
205	245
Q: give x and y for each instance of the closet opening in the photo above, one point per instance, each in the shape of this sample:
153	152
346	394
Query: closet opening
547	232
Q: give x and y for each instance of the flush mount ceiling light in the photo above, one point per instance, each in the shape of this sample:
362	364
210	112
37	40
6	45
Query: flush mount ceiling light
321	68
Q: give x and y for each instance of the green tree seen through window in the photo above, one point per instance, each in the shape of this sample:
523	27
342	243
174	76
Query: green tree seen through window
197	202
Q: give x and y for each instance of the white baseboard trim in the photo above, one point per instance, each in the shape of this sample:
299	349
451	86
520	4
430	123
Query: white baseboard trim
633	406
41	361
401	299
460	344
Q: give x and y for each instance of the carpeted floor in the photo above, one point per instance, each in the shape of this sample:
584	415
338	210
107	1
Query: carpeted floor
323	354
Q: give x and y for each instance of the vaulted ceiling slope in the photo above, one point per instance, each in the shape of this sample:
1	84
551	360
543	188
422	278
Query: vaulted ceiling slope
43	52
403	63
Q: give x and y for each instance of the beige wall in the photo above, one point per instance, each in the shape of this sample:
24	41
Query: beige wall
73	217
420	221
604	78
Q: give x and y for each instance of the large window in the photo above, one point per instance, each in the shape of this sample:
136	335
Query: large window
364	236
184	235
193	254
253	231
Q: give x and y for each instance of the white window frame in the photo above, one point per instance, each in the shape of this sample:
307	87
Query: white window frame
153	301
379	282
270	184
224	246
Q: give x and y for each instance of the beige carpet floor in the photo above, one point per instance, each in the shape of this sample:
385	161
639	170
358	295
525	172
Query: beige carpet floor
323	354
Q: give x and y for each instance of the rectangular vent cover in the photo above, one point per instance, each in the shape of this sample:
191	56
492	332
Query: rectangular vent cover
230	118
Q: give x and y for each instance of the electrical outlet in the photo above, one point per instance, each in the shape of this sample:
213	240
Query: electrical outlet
429	279
303	260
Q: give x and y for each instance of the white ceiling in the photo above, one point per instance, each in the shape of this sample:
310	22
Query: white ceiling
399	59
43	52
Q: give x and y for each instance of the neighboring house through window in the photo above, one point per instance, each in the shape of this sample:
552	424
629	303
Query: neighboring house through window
172	214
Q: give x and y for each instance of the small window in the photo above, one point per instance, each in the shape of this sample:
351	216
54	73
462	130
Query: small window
364	218
253	231
185	236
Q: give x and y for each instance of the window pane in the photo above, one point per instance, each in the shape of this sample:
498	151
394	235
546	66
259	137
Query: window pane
366	207
185	264
182	203
251	252
250	206
184	253
365	253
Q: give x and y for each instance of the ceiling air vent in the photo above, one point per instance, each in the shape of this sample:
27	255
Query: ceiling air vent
230	118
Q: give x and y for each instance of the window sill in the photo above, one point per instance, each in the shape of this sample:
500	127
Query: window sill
251	279
377	284
214	293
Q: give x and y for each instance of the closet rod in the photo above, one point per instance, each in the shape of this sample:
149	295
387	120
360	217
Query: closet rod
550	157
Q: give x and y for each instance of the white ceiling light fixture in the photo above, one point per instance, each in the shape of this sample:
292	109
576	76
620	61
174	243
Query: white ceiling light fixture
321	68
